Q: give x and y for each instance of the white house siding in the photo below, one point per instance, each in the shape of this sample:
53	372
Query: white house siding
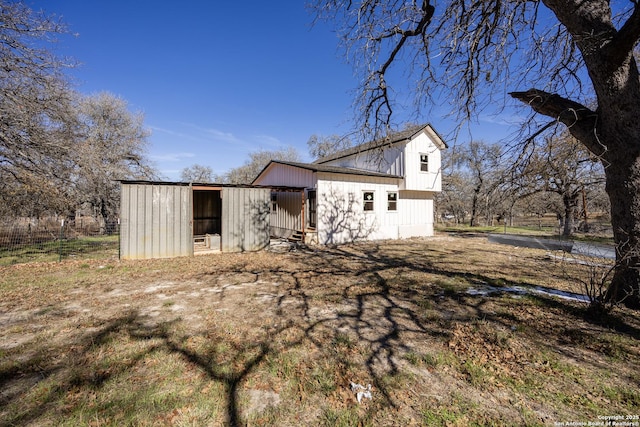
341	215
391	163
279	174
415	179
415	209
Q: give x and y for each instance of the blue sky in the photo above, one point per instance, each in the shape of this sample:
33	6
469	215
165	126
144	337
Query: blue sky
216	79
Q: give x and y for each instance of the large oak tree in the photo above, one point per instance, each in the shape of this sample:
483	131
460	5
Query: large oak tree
58	150
110	145
556	56
36	114
563	166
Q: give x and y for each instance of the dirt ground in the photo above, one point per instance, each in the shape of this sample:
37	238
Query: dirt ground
278	338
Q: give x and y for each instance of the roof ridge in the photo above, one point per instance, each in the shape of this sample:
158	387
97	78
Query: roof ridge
389	139
314	167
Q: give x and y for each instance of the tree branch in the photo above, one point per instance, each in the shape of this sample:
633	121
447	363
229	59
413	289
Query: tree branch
580	120
625	39
378	101
427	13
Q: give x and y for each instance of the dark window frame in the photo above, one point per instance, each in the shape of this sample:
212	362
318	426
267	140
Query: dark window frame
368	201
424	162
392	202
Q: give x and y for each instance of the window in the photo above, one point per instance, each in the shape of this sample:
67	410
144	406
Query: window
424	162
392	201
274	202
368	200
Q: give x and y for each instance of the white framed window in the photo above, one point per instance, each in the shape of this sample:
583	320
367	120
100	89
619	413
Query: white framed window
274	202
367	200
424	162
392	201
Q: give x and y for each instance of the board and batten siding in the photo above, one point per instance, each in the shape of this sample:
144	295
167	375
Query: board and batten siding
391	162
415	214
341	215
245	219
155	221
415	179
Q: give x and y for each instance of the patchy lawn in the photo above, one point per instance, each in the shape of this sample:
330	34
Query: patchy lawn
277	339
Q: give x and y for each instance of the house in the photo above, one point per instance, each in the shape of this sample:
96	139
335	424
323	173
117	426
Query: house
378	190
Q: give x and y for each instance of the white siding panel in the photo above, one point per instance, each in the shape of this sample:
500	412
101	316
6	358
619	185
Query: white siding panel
388	160
415	179
278	174
341	215
415	210
287	215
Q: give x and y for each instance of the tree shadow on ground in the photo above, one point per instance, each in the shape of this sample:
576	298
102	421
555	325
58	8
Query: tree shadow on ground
374	298
387	308
80	366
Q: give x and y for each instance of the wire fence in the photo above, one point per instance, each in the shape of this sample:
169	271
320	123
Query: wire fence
27	240
596	226
24	240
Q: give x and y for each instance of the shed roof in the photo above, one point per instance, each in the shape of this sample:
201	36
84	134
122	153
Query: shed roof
405	135
210	185
314	167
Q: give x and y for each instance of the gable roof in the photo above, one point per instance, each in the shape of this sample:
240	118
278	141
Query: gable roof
330	169
405	135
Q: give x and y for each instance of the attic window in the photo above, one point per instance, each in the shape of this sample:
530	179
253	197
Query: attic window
368	200
424	162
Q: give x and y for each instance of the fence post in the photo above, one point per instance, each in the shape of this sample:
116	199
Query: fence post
61	237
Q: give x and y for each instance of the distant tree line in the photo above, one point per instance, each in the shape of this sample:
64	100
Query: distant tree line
485	182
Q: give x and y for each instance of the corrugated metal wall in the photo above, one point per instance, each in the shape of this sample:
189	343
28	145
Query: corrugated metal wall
155	221
245	219
287	215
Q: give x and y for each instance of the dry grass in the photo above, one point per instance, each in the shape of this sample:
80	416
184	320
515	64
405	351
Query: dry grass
276	339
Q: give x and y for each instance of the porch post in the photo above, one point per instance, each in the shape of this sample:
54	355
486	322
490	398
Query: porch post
302	215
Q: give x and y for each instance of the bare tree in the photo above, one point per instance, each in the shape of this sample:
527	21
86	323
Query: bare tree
476	53
322	146
36	114
197	173
246	173
482	162
564	166
453	201
111	145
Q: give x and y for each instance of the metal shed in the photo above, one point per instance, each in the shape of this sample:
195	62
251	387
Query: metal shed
170	219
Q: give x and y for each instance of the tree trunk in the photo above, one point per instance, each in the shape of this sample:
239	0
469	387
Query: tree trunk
474	208
620	133
612	131
623	188
570	202
102	216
